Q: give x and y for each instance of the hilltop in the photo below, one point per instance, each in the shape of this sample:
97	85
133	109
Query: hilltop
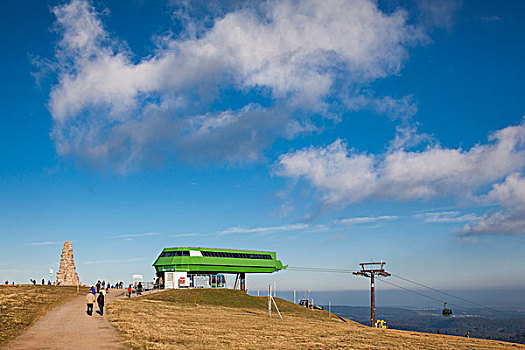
200	318
23	305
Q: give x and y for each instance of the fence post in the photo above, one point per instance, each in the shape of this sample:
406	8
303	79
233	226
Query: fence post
269	300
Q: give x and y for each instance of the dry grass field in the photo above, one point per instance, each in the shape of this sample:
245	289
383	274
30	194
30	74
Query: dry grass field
226	319
21	306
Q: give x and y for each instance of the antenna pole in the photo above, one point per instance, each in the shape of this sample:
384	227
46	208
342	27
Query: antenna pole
370	270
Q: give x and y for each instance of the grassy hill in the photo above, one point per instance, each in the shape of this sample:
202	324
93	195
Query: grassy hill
21	306
224	319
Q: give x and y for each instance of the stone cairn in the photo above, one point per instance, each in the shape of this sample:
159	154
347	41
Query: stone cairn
67	274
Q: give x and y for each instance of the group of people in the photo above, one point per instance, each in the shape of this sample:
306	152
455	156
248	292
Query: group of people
138	289
118	285
98	292
32	281
43	282
97	295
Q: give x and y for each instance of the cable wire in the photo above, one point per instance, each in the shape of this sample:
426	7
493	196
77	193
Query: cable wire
445	293
318	269
413	291
330	270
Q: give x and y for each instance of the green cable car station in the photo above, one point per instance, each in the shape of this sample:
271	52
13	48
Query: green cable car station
192	267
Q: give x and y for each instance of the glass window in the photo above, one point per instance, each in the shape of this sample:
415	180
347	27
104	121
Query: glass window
235	255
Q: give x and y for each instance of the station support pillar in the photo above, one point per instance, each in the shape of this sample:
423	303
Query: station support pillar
243	281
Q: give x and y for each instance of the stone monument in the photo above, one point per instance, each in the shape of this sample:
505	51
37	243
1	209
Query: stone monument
67	274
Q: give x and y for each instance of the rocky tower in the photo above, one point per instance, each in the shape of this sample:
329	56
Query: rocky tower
67	274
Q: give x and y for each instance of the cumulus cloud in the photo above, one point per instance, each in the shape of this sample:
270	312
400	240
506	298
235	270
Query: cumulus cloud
117	110
346	175
510	218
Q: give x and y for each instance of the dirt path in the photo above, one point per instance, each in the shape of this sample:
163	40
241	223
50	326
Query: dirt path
69	327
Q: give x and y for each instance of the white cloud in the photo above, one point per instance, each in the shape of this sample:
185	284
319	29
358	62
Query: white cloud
255	230
366	219
134	235
116	110
188	234
510	218
447	217
45	243
266	229
439	14
344	175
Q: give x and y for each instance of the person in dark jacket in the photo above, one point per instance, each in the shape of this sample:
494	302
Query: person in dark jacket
100	302
98	287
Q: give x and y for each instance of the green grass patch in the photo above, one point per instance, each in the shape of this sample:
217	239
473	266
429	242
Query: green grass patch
230	298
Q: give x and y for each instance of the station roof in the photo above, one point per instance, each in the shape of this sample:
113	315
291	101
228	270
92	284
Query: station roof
216	260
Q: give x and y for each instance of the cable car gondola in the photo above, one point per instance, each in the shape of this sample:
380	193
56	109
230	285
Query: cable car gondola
446	312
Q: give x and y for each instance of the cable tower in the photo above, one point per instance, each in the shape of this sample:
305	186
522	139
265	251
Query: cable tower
370	270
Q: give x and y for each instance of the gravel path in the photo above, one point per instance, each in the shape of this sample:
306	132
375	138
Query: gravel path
69	327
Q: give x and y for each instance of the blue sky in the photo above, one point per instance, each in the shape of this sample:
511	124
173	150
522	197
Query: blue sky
331	132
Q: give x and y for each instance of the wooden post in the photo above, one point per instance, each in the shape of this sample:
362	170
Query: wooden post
370	270
235	283
276	308
269	300
372	303
329	307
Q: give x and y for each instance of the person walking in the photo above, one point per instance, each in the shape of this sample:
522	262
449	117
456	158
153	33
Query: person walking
129	291
98	287
139	289
100	302
90	299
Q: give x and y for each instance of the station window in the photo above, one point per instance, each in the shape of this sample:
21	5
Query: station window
236	255
175	253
